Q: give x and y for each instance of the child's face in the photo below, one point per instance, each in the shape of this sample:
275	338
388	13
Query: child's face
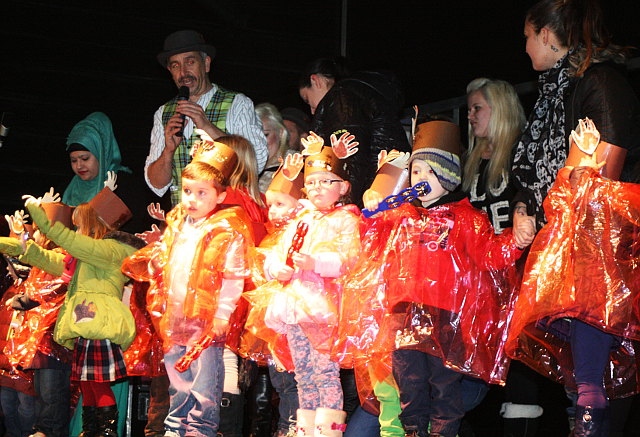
324	189
281	206
420	172
200	198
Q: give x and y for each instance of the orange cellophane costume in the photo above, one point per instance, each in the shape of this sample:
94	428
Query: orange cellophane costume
584	264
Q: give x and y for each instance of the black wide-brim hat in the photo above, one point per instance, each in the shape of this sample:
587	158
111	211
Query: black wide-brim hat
184	41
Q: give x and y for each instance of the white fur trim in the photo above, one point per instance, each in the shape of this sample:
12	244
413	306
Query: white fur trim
516	411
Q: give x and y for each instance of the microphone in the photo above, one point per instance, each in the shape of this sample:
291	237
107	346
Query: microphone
183	94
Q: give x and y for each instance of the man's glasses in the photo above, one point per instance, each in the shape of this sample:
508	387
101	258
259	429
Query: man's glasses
324	183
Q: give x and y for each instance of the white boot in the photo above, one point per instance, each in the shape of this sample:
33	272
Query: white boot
330	423
305	423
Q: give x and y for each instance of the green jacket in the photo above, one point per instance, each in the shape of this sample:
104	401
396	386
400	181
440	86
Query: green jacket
93	307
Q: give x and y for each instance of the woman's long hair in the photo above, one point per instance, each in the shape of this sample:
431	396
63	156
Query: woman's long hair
579	25
505	126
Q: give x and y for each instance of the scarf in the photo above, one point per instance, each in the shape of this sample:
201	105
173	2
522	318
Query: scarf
95	133
542	149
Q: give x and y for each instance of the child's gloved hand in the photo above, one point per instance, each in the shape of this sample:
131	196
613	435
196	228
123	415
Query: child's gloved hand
50	197
11	246
16	221
110	182
38	215
344	146
371	199
312	144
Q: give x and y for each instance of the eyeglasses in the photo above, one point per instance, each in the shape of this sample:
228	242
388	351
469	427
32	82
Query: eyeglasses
324	183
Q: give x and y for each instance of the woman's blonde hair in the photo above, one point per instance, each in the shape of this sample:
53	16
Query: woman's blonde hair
271	118
88	223
505	126
245	175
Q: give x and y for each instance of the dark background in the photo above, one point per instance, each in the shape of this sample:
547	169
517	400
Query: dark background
63	59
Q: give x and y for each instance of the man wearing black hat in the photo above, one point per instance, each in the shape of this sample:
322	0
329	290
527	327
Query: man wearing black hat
208	106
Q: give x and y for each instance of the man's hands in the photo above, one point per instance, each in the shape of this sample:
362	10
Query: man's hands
176	123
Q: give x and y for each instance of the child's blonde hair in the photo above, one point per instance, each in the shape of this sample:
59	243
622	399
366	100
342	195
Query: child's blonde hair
245	175
86	219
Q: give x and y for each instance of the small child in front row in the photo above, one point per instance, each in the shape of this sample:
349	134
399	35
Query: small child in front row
260	343
307	308
434	257
198	269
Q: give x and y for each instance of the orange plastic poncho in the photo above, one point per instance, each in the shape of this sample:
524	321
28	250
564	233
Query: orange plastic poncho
437	280
584	264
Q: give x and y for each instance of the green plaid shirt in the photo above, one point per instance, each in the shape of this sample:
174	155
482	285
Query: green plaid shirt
216	112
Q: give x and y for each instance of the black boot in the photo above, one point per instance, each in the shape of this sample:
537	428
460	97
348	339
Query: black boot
259	408
591	422
89	426
231	415
107	421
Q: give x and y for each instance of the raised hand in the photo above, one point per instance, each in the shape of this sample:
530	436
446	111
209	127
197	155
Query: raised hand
586	136
16	221
293	165
312	144
344	146
50	196
110	182
150	236
155	211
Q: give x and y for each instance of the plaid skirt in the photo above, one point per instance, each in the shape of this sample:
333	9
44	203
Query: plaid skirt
97	360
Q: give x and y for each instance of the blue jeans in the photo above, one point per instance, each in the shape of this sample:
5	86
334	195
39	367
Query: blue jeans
19	412
195	394
473	392
52	406
430	393
362	424
285	385
590	348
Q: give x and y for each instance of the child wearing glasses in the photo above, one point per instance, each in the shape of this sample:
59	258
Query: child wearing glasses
307	308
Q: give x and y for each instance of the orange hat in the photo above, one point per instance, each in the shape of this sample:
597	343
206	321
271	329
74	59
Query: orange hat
111	210
326	160
218	155
287	182
58	212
